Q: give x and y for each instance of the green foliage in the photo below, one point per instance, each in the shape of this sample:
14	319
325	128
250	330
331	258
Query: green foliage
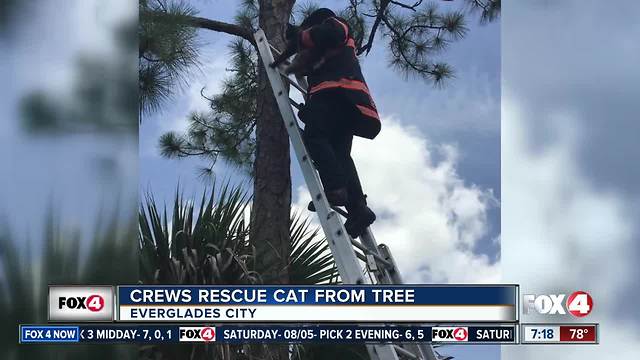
208	244
207	247
168	51
227	130
419	32
247	15
61	256
489	9
311	262
415	39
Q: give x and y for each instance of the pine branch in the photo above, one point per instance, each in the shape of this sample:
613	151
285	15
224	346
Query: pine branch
220	26
379	15
407	6
489	9
204	23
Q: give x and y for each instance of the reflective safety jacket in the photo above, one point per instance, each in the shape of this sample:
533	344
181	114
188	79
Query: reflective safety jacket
340	69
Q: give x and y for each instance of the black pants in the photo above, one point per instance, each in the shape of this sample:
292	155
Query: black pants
329	124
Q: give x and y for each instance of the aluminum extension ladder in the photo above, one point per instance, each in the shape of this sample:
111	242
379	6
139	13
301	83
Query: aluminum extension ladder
380	267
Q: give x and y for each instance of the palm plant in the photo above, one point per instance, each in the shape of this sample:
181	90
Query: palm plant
310	261
63	257
208	244
209	247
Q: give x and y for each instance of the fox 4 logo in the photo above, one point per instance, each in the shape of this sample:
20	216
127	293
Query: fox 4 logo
449	334
93	303
197	334
578	304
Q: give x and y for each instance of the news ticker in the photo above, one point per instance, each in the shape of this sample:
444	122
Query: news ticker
366	334
282	304
243	334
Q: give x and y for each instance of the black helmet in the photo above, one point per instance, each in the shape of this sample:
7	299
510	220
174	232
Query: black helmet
317	17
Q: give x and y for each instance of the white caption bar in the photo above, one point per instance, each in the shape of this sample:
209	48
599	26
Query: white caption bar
318	313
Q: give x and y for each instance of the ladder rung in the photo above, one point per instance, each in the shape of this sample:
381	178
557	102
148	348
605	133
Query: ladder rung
275	49
369	252
340	211
294	83
360	256
295	104
405	352
372	264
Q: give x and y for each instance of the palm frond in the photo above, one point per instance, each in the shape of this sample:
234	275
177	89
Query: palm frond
311	261
61	256
207	247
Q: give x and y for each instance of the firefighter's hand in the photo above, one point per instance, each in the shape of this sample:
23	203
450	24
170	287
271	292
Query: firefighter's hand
288	70
279	60
274	64
302	112
291	32
283	56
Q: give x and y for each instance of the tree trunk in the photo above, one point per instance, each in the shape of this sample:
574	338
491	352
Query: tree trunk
272	186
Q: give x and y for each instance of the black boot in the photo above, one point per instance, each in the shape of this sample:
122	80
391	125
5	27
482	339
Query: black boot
336	197
359	218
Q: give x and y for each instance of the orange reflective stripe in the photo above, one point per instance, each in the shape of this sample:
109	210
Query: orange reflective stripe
351	43
342	83
368	112
351	85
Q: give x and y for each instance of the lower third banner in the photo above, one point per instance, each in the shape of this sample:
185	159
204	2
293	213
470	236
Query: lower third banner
242	334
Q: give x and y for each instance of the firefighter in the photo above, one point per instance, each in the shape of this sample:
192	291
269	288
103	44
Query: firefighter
339	106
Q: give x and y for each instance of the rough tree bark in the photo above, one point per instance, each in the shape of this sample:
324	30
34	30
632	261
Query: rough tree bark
272	185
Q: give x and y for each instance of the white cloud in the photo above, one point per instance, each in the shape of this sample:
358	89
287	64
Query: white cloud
562	234
426	213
